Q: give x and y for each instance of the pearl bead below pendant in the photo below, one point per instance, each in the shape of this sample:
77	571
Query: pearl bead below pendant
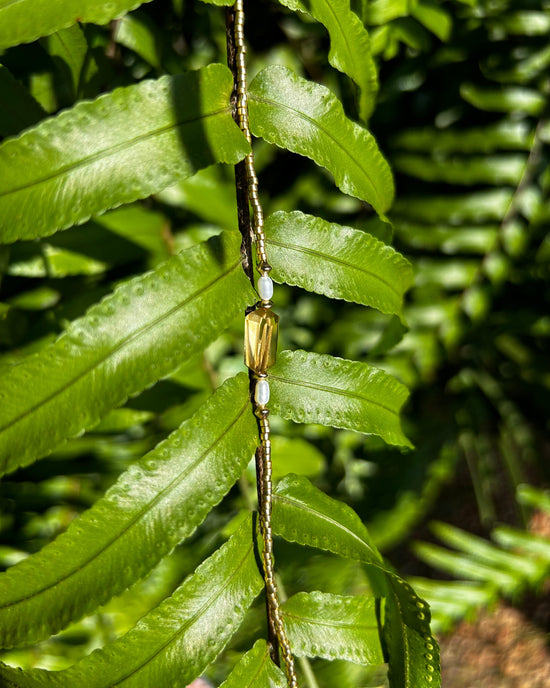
265	288
261	392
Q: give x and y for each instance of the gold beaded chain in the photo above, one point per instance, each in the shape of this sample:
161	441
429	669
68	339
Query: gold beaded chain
261	328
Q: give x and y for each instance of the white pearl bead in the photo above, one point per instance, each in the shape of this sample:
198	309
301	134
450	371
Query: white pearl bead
261	393
265	288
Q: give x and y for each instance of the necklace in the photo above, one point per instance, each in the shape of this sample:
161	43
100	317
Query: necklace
260	348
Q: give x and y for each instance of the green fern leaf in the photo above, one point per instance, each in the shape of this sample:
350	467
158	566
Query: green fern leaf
339	262
121	147
308	119
315	388
303	514
139	334
174	643
154	505
329	626
256	670
24	21
349	45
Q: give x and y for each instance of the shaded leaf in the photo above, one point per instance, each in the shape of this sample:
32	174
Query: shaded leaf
487	169
135	336
123	146
315	388
324	625
336	261
24	21
156	503
68	49
174	643
308	119
19	109
350	50
256	670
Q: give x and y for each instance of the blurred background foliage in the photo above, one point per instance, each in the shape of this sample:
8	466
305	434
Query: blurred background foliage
463	116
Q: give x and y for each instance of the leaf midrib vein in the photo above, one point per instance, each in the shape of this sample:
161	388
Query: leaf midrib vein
304	507
108	152
189	622
118	347
333	259
329	624
333	390
150	505
314	122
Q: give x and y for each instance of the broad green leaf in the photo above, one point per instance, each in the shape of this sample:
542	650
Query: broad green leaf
308	119
23	21
350	50
303	514
324	625
19	109
156	503
174	643
135	336
123	146
315	388
256	670
336	261
488	169
511	99
296	455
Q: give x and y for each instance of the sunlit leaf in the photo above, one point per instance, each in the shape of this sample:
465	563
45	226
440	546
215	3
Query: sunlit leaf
176	641
315	388
256	670
156	503
24	21
336	261
139	334
349	45
323	625
123	146
307	118
303	514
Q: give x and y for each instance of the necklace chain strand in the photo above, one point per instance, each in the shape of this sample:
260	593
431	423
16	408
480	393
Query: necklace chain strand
261	385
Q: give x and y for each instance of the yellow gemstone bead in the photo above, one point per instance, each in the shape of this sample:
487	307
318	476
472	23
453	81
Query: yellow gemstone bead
261	329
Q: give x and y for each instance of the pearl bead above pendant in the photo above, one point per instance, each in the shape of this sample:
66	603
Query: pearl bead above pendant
261	392
265	288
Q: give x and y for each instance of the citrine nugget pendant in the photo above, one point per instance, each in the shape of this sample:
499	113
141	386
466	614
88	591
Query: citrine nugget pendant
260	339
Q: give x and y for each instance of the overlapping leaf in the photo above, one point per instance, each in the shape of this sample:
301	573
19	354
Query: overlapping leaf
329	626
121	147
303	514
336	261
256	670
23	21
139	334
174	643
19	109
308	119
157	502
315	388
349	45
